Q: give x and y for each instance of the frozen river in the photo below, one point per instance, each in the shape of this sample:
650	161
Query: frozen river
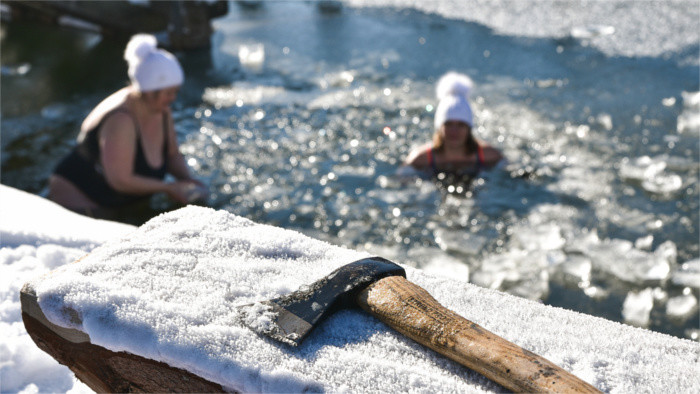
594	104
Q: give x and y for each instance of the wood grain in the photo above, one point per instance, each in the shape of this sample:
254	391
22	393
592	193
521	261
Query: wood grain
411	310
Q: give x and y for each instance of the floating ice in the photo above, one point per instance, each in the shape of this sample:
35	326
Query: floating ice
641	168
592	31
644	243
244	94
252	56
621	259
663	184
688	274
681	306
543	237
637	307
577	268
436	262
521	272
689	119
459	241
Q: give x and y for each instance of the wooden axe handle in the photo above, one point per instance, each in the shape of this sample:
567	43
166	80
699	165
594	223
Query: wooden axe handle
412	311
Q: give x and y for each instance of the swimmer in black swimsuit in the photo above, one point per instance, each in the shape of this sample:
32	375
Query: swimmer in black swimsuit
454	150
127	144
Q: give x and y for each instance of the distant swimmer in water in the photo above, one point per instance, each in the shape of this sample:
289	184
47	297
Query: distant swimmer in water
454	151
127	144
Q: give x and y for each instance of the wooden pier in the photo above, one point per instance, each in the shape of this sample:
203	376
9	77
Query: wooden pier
178	24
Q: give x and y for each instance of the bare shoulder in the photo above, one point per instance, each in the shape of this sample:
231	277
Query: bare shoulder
115	100
118	125
418	157
491	155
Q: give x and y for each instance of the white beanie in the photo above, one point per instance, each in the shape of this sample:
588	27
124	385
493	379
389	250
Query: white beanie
151	68
453	92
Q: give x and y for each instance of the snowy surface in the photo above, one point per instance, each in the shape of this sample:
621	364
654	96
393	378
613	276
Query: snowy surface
616	27
37	236
169	290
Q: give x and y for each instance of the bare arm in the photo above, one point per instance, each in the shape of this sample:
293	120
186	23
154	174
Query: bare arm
176	162
418	158
177	166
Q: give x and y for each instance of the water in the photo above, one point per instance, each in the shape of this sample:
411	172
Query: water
300	117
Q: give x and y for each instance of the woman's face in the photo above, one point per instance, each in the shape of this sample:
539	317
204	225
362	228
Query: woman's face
160	100
455	132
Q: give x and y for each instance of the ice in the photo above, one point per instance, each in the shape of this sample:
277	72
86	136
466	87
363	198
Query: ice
460	241
641	169
242	93
37	236
543	237
644	243
577	268
688	274
620	258
681	306
252	56
521	272
663	184
689	119
637	307
436	262
592	31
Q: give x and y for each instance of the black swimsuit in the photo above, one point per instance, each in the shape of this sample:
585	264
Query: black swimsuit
82	167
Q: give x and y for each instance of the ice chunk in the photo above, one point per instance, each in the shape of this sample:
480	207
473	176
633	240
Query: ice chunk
641	168
252	56
689	119
543	237
459	241
621	259
448	267
534	286
688	274
439	263
663	184
577	268
681	306
497	269
592	31
644	243
637	307
519	272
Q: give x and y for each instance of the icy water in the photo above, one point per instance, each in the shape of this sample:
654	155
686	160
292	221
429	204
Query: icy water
300	117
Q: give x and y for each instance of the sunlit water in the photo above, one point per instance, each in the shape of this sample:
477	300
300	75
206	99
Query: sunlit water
300	118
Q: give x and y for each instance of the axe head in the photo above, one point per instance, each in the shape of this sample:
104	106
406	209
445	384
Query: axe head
290	318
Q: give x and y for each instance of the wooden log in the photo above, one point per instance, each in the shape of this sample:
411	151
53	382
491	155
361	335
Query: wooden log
179	24
101	369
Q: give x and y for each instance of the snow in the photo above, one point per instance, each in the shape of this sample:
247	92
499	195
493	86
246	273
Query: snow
169	290
37	236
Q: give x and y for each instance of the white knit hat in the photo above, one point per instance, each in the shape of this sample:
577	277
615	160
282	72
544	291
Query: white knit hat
151	68
453	92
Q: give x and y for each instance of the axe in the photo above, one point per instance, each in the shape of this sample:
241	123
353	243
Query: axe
380	287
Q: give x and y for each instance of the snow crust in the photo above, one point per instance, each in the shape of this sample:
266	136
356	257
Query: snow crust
169	292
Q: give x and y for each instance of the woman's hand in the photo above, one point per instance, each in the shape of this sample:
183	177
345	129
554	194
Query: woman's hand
186	192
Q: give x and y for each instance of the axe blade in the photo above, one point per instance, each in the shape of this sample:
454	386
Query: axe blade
290	318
